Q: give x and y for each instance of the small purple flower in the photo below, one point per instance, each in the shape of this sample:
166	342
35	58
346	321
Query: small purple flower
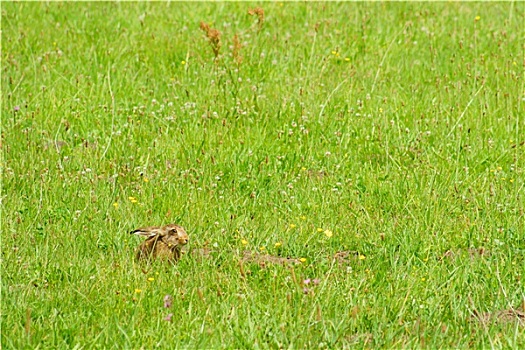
17	108
168	317
167	301
306	281
316	281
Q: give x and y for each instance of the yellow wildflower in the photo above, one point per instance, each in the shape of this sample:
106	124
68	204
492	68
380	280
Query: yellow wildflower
138	291
278	244
362	257
151	279
244	242
303	260
328	233
115	205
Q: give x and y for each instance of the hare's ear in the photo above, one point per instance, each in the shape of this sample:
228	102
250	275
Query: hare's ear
146	231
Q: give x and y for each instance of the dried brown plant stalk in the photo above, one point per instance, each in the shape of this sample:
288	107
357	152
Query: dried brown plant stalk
260	15
214	37
237	50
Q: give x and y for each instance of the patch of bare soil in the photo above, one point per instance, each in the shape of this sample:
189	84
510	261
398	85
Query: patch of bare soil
56	145
316	174
345	257
247	256
472	253
360	338
201	253
264	259
501	316
342	258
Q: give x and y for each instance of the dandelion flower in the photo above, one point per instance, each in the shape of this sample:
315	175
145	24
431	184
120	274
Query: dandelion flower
146	179
244	242
303	260
477	18
183	62
278	244
320	230
115	205
293	225
138	291
328	233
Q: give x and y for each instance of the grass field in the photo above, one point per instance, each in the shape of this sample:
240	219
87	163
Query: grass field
379	146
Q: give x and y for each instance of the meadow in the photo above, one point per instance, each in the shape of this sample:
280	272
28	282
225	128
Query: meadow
351	175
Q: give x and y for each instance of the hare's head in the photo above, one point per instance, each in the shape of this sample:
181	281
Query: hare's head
174	235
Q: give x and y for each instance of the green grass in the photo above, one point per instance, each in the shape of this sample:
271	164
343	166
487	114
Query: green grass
399	127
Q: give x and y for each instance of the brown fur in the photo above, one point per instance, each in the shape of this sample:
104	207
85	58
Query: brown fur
164	243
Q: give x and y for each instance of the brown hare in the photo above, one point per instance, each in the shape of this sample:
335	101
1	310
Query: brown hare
163	243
